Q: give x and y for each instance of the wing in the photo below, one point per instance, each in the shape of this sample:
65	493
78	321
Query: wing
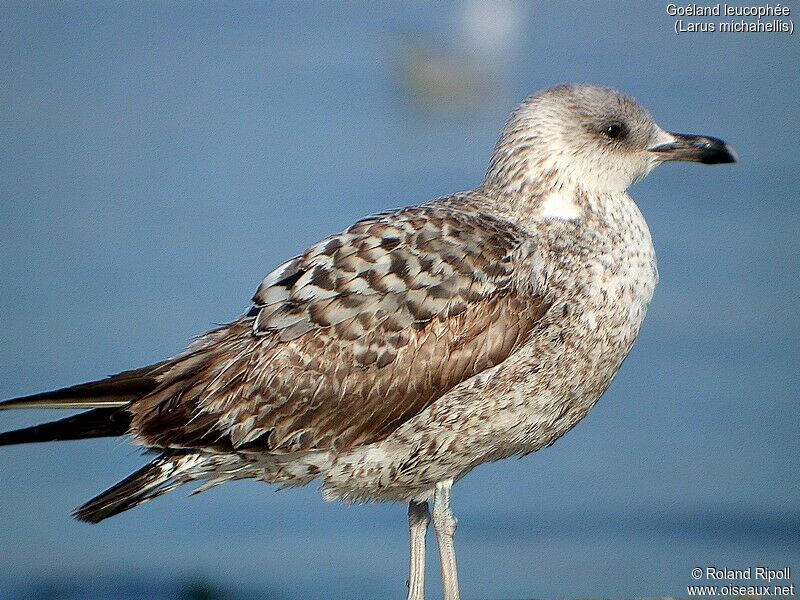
350	340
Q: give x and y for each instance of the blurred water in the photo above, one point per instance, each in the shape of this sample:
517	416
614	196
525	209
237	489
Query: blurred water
158	160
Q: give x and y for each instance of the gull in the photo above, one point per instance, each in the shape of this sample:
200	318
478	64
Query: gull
389	360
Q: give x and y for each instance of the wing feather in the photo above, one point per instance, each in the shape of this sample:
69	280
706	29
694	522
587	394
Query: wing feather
353	338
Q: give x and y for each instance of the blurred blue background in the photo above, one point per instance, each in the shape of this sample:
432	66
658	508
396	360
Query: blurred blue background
158	159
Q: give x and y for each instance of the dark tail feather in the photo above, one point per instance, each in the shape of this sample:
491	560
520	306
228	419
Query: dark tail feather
106	397
165	473
114	391
100	422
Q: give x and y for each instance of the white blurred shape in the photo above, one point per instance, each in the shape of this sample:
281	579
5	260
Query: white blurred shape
491	27
466	68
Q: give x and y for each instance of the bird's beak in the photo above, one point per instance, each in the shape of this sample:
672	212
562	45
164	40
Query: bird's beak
697	148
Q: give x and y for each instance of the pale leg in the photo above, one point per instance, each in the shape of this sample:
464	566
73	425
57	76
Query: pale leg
418	519
445	525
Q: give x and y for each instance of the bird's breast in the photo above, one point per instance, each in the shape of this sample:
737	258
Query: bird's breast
600	276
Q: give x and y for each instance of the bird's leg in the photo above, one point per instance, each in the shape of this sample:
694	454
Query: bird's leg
445	525
418	519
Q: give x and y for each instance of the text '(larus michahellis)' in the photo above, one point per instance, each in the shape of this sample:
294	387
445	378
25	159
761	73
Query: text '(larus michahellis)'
389	360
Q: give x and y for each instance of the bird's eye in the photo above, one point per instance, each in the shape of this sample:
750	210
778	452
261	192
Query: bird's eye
614	131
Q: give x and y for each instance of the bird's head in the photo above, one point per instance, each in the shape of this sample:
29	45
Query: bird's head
592	137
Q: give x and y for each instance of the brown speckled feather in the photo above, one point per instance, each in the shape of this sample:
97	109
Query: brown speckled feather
353	338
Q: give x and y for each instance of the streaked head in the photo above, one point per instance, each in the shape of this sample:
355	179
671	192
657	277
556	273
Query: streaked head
591	137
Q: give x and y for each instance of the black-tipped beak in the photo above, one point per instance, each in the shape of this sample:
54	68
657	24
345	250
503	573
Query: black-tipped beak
697	148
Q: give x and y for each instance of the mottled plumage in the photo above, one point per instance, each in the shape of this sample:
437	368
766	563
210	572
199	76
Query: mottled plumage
348	341
391	359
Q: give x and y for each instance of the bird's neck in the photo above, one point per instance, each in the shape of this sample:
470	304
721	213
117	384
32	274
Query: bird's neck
551	199
518	175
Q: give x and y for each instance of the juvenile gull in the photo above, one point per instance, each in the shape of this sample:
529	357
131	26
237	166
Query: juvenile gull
391	359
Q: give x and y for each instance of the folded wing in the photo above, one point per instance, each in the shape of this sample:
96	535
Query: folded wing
350	340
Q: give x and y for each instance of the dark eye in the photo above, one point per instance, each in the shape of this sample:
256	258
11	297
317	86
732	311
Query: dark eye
614	131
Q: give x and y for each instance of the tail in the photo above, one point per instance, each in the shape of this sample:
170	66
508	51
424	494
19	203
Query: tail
108	401
100	422
165	473
107	398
